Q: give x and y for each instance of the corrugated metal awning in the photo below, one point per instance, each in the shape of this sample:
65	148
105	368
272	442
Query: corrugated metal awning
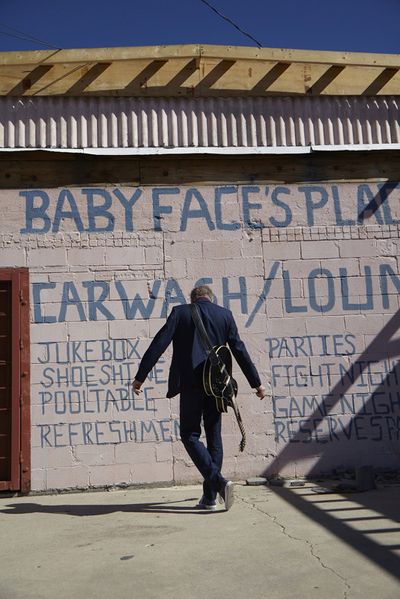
157	125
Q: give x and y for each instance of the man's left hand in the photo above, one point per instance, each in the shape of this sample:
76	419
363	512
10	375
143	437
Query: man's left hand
136	386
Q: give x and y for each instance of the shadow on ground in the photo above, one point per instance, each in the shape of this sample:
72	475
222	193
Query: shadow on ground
162	507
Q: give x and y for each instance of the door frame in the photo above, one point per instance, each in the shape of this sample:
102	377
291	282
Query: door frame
20	381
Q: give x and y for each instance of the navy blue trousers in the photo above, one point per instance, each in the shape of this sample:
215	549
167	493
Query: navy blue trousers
195	405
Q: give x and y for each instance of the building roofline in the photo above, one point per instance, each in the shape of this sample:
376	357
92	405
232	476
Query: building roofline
197	70
200	50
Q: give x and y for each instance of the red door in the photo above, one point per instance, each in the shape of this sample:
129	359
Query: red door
14	380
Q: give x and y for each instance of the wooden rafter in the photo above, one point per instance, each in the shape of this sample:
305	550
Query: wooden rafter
172	71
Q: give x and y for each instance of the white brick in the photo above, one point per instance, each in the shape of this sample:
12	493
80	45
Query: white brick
364	323
41	333
52	458
38	479
47	257
86	257
135	453
352	266
221	250
300	269
374	263
247	466
153	471
277	290
67	478
131	287
52	309
228	267
274	308
125	255
320	249
12	257
153	255
358	248
164	452
130	329
179	249
286	327
389	247
176	269
251	244
95	455
281	250
87	330
109	475
325	324
185	471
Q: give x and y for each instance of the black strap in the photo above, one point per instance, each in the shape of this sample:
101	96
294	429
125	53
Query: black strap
204	338
198	322
207	345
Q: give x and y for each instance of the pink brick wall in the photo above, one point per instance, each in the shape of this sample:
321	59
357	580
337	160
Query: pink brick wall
311	273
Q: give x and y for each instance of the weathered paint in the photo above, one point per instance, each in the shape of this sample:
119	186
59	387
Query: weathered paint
311	273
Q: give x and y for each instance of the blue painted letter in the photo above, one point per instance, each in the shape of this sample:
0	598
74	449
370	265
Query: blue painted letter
158	210
247	206
72	213
128	205
36	289
97	304
99	211
312	205
219	192
278	202
33	212
201	212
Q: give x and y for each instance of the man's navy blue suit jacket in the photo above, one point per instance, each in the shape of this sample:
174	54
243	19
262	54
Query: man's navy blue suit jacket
188	355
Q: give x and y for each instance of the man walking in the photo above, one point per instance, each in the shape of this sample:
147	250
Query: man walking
185	377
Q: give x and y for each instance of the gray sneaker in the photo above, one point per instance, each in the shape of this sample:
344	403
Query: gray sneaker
207	504
228	494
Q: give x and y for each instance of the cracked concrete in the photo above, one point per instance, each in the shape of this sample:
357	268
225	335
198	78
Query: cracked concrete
304	540
150	543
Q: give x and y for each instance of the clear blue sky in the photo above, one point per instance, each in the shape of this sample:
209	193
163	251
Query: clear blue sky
352	25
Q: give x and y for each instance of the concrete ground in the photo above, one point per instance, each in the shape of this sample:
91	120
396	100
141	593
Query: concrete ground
150	543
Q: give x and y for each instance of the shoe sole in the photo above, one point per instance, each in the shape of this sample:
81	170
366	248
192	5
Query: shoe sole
229	495
207	508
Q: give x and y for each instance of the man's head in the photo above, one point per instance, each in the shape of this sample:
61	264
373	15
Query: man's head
203	292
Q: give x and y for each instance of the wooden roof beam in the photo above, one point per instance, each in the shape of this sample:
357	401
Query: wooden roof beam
270	78
326	79
139	82
31	78
275	55
183	75
58	79
196	70
91	75
380	82
214	75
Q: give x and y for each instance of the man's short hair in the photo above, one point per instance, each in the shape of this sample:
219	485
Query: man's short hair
201	291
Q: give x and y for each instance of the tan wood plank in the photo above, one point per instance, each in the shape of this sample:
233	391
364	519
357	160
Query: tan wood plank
196	70
209	51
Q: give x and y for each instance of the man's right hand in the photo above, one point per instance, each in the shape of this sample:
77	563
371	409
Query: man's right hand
261	392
